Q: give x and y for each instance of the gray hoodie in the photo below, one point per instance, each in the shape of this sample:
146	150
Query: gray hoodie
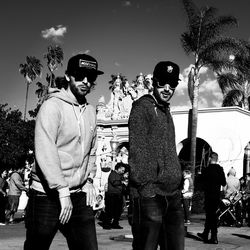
65	144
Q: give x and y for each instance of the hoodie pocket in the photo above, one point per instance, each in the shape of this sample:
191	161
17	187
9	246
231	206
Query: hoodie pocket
67	163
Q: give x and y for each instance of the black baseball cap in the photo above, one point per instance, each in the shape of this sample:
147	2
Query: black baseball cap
166	72
83	63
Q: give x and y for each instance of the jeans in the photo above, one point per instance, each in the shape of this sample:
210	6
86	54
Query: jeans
2	208
158	221
186	207
212	202
42	222
113	208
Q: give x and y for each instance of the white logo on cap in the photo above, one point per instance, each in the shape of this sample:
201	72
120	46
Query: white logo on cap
170	69
87	64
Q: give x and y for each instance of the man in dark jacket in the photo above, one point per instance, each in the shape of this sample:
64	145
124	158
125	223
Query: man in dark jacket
114	198
213	178
155	177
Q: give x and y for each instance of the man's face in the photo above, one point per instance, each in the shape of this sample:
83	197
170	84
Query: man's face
163	94
79	88
121	170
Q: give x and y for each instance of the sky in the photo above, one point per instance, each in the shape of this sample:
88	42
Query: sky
125	36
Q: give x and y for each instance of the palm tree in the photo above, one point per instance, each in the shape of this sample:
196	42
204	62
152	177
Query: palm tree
54	58
234	80
204	41
31	69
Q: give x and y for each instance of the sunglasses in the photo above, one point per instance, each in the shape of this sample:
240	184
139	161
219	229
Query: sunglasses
80	77
161	84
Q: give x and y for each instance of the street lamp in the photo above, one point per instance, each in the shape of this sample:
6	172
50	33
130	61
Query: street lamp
114	142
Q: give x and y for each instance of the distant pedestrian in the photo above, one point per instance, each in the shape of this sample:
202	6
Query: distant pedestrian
114	198
16	186
243	188
232	183
3	195
212	178
232	188
248	198
187	193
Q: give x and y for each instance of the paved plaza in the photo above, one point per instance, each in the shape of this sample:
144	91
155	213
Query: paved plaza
12	237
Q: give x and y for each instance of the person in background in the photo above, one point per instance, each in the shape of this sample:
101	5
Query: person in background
232	188
16	186
187	193
62	194
3	194
243	188
114	198
248	198
155	172
232	183
212	178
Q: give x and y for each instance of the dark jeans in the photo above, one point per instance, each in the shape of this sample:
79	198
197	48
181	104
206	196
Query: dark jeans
186	207
158	221
12	206
212	202
42	222
113	208
2	208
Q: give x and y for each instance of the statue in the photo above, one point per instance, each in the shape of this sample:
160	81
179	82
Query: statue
101	109
122	96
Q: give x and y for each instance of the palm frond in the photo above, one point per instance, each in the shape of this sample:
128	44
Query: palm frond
203	27
31	69
233	98
228	82
219	51
219	25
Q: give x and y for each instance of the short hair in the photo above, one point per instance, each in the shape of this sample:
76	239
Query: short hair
186	171
214	156
120	165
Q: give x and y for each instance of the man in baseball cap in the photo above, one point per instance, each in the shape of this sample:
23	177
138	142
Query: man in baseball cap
155	171
62	192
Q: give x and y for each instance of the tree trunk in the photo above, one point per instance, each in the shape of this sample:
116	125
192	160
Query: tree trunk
26	100
246	103
194	121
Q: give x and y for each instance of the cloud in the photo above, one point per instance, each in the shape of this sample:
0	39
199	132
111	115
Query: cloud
87	51
54	33
126	3
209	92
117	64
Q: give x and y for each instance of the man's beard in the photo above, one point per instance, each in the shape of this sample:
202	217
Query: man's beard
80	95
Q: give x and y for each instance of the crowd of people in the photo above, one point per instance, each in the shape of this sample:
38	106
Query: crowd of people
61	189
13	183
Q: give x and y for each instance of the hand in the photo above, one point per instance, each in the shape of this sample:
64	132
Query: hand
66	209
89	189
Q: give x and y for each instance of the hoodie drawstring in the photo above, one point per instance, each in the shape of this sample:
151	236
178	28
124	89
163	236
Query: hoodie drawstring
78	118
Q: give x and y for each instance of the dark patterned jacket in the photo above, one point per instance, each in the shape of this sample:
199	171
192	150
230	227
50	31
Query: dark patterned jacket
153	160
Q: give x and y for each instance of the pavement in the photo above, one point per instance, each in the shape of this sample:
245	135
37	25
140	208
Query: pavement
13	236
